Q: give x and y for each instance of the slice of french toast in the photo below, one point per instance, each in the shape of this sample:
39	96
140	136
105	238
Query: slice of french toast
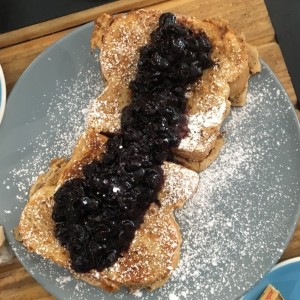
155	249
201	165
209	98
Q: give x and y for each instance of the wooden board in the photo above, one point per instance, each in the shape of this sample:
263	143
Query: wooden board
244	16
70	21
21	47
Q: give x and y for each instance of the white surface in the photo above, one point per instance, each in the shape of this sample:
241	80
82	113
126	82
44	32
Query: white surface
3	94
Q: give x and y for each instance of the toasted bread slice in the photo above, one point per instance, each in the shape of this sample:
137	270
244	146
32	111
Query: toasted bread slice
199	166
120	38
155	250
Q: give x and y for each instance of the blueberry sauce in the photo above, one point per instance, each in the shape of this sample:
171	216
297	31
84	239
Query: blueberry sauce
96	216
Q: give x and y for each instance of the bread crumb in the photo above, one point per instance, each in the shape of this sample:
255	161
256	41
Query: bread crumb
17	234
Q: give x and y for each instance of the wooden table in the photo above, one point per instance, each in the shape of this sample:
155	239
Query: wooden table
20	47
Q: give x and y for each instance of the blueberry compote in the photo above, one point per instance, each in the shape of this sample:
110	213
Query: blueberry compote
96	216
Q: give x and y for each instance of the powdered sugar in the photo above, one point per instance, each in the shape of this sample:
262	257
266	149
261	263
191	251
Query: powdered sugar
62	280
137	293
234	228
66	114
210	118
204	123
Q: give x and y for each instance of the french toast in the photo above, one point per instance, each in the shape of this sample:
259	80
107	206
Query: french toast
209	98
107	182
155	249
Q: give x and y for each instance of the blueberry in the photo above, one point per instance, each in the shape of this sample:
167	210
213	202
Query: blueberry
76	249
101	236
132	135
78	232
156	36
80	264
144	52
154	177
178	45
167	19
58	215
128	228
176	31
62	233
96	248
131	202
192	44
110	257
204	43
158	61
195	72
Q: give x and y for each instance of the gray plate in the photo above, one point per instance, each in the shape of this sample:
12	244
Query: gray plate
234	229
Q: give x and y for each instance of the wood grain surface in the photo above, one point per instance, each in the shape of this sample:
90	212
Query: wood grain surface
19	48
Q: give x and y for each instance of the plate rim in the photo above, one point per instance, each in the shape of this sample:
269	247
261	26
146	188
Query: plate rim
296	121
286	263
273	266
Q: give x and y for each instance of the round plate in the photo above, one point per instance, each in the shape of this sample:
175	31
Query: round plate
2	94
236	226
285	277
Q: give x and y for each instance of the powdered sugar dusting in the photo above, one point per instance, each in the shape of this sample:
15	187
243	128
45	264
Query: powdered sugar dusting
235	226
138	293
230	226
118	59
65	121
62	280
223	240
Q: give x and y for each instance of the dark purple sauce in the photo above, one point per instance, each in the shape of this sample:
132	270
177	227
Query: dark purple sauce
96	216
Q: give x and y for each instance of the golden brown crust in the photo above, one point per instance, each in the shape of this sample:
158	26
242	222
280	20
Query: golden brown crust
37	227
254	63
90	146
101	24
49	178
